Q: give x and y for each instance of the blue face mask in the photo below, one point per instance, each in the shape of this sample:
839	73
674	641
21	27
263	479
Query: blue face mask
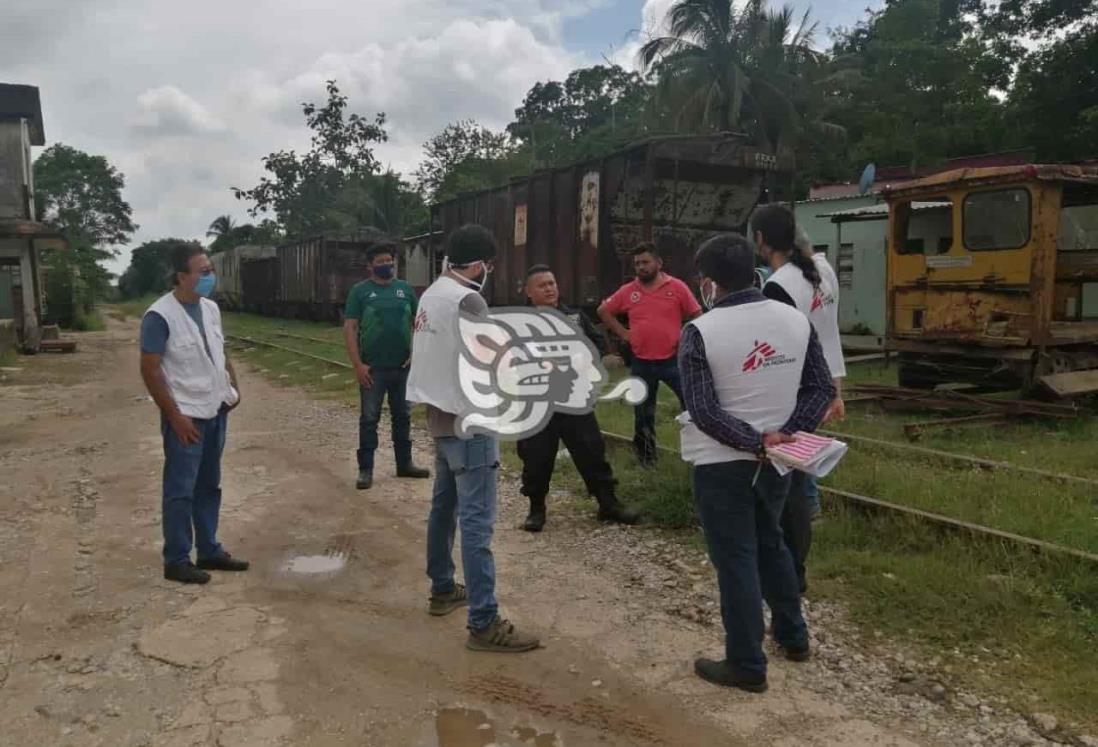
383	271
206	284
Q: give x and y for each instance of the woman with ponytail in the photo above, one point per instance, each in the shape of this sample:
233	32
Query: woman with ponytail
803	279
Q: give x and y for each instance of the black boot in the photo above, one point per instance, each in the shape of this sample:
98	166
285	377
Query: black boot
411	470
365	479
536	519
611	509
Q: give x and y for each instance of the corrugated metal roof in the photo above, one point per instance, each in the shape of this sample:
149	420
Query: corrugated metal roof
990	175
871	212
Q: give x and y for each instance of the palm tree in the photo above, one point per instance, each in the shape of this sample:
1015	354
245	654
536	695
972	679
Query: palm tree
222	226
723	69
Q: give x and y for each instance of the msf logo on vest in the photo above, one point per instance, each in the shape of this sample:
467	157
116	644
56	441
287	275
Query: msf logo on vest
821	299
520	365
764	355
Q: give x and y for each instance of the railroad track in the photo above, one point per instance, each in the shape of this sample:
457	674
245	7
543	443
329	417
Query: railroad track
860	501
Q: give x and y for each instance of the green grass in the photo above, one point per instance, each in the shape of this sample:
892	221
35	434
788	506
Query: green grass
1030	622
325	380
131	308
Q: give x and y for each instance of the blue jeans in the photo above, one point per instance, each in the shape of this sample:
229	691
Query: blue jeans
192	490
394	383
812	493
465	491
644	414
740	521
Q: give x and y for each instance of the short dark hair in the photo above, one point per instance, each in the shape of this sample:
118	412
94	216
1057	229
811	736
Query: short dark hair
180	257
470	243
647	247
776	224
537	270
381	247
727	259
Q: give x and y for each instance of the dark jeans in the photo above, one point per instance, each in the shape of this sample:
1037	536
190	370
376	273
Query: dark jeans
394	383
192	490
740	521
584	442
644	414
797	523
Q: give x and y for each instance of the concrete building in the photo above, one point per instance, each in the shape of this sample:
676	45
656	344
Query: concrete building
21	236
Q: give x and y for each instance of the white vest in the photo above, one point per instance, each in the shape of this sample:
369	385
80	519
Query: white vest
820	305
199	384
756	354
433	378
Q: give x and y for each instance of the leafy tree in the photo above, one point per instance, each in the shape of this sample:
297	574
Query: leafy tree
917	85
1054	102
595	110
301	189
384	201
150	268
725	69
463	156
81	195
228	234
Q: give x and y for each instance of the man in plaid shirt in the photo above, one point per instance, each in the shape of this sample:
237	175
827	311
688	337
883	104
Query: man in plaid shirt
753	374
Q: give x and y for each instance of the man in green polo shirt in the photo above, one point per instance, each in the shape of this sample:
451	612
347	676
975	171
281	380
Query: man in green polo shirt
378	332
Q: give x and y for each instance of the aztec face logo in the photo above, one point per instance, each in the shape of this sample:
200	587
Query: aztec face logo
519	366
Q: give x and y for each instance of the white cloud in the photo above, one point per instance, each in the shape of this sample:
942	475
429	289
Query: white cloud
167	111
185	99
478	69
653	24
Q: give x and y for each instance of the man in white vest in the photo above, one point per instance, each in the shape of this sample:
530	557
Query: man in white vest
184	367
753	374
804	280
466	469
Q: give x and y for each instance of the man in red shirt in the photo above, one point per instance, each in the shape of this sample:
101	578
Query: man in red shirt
656	305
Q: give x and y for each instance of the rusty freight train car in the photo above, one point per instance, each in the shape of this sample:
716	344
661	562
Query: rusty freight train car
583	219
228	266
309	279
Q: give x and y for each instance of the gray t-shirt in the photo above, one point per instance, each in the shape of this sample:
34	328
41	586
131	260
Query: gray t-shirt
441	424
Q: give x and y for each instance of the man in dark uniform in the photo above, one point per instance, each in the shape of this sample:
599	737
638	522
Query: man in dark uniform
580	433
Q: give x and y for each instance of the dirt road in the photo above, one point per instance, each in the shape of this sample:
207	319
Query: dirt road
326	641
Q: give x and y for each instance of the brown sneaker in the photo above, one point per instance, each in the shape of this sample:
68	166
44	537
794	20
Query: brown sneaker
501	637
444	604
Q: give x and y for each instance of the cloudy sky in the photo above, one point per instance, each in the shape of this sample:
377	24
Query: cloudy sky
185	98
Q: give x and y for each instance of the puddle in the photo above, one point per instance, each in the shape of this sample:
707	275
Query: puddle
462	727
315	564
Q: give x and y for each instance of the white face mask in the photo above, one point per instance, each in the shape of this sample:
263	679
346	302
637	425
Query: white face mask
478	285
709	297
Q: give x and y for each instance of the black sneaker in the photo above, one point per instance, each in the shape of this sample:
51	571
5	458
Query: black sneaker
365	479
223	562
411	470
185	573
721	673
799	652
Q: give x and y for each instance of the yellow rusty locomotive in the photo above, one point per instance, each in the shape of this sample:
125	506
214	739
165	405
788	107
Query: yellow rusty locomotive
993	278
